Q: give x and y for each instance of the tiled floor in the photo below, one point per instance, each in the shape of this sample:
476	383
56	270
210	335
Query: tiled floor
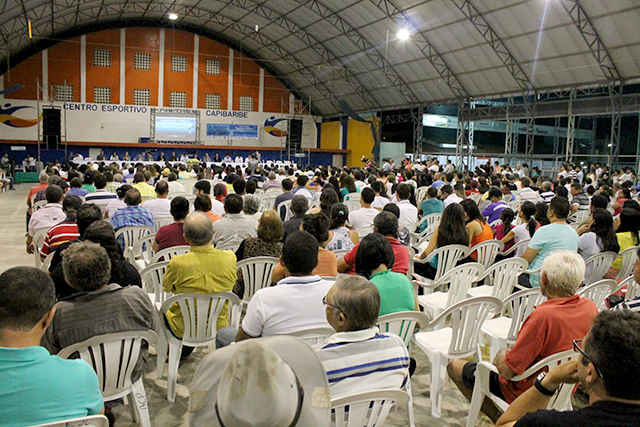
163	413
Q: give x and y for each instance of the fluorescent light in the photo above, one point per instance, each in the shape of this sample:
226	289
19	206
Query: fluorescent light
173	16
404	34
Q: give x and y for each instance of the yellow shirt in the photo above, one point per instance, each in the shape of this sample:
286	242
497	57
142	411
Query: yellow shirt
145	189
204	270
626	241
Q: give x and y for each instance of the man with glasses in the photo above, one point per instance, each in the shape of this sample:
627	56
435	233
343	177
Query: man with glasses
295	304
608	367
549	329
358	357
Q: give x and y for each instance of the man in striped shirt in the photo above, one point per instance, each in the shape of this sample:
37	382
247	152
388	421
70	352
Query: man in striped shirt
358	357
101	197
65	231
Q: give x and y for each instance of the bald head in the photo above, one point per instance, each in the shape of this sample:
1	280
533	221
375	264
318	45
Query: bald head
198	230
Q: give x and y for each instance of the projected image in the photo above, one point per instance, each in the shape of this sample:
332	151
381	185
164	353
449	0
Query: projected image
176	127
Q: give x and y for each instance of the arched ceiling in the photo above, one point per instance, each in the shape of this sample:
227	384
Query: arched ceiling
330	50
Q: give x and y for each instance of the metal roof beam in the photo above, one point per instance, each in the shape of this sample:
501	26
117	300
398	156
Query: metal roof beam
496	43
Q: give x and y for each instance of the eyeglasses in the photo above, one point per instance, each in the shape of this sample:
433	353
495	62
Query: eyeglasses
325	302
577	349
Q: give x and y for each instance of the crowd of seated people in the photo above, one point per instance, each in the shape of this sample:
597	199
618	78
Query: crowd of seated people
226	219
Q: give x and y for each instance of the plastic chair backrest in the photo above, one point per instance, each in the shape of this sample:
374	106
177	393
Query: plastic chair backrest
353	205
230	244
113	357
460	280
521	304
427	233
403	324
430	219
598	292
88	421
487	251
362	232
341	253
47	262
522	244
598	265
267	201
351	197
475	197
420	192
131	235
633	288
167	253
515	205
200	314
313	204
495	223
151	278
314	336
142	250
628	258
39	205
38	242
504	276
287	206
161	222
370	408
256	273
448	257
579	216
467	318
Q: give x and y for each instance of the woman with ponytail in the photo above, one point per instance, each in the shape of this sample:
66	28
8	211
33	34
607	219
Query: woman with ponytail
340	237
500	231
527	229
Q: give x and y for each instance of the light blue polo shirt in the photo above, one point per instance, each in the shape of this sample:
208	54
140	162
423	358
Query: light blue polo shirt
549	238
37	388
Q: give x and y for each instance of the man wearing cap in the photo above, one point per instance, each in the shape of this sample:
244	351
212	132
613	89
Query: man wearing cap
358	357
295	304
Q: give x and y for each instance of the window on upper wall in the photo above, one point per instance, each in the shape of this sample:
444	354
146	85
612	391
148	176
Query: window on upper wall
212	101
213	66
246	103
101	58
178	99
179	64
141	96
102	95
63	93
142	61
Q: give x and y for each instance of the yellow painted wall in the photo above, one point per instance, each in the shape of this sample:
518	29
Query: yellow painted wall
330	135
359	141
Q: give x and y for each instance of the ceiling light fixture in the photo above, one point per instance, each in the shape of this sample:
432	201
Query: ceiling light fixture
404	34
173	16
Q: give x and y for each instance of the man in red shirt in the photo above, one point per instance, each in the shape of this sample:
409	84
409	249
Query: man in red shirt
386	224
172	235
549	329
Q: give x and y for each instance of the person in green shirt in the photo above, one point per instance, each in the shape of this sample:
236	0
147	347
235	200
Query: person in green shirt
373	258
429	206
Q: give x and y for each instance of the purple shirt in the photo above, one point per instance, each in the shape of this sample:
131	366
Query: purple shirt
494	210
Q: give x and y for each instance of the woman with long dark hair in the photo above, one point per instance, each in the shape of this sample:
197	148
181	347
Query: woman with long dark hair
600	237
541	214
628	236
451	231
527	229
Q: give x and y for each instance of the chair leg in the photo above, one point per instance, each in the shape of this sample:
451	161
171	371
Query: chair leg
129	400
139	402
476	403
174	362
407	388
438	371
161	357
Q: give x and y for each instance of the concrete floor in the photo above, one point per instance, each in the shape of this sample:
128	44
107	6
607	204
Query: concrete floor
12	229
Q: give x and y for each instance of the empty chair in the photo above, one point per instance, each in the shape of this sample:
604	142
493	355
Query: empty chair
88	421
151	278
168	253
487	251
113	357
598	292
503	277
370	408
458	341
256	273
597	266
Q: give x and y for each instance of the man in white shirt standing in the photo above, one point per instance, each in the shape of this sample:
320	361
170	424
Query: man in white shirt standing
448	168
364	216
160	207
408	212
449	196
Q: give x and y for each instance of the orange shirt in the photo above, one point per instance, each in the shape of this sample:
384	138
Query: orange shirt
213	217
487	234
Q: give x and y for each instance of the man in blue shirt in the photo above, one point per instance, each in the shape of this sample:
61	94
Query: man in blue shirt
35	387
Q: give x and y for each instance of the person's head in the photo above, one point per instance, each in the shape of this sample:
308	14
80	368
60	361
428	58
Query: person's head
471	210
100	181
53	194
386	223
233	204
302	180
559	208
630	222
75	182
43	177
507	216
352	304
202	203
367	196
299	205
452	229
599	201
179	208
561	191
495	195
541	213
251	186
162	189
378	187
219	190
198	230
132	197
239	186
270	227
287	184
172	176
576	188
101	232
70	205
89	177
202	187
528	215
403	192
339	215
374	251
432	192
138	177
251	204
318	226
561	274
602	225
328	199
27	296
526	182
300	253
611	359
86	266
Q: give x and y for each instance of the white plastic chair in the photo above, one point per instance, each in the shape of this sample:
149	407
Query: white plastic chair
38	242
561	401
287	206
404	324
367	409
633	289
88	421
39	205
341	252
503	275
487	251
267	201
362	232
131	235
503	330
314	336
256	273
517	248
598	292
161	222
353	205
167	253
46	263
495	223
151	278
430	219
459	280
448	257
597	266
142	251
200	314
458	341
113	357
579	216
515	205
629	256
230	244
350	197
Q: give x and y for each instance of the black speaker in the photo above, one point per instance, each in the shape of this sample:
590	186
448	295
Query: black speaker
51	122
294	134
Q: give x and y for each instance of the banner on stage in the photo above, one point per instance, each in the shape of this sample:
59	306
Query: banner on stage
236	131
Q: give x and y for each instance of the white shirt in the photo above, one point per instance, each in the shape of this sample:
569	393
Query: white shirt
46	217
159	208
408	214
379	202
100	198
447	169
361	218
359	184
175	187
451	198
114	206
527	195
434	168
301	191
295	304
233	225
217	207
